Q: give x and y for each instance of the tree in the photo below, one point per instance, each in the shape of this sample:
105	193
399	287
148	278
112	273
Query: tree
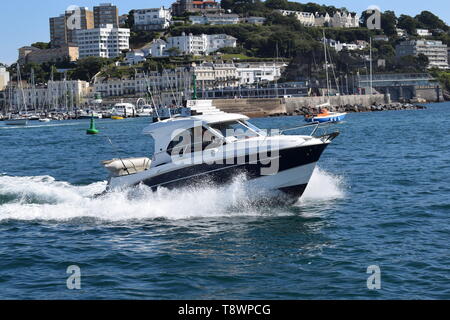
389	23
174	52
430	21
277	4
41	45
408	23
87	68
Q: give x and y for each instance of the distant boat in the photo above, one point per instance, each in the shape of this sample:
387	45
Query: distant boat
44	120
17	122
326	116
116	118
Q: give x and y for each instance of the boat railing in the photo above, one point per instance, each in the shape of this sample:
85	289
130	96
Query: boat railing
315	125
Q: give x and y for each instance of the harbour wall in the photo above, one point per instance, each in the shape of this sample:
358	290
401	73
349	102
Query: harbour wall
290	106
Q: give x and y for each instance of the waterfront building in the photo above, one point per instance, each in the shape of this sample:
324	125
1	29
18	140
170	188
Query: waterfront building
152	19
106	13
68	94
322	20
257	73
210	76
59	54
215	19
338	46
180	7
106	41
63	28
4	78
436	51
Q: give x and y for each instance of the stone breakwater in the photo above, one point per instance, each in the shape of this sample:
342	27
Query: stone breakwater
361	108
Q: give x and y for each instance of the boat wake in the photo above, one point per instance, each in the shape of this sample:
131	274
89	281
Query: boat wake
42	198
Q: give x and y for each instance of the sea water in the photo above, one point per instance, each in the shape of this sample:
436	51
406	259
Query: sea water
379	197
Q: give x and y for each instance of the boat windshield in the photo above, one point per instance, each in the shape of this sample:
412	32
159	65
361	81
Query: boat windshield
237	129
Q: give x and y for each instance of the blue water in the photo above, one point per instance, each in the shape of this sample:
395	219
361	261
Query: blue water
380	197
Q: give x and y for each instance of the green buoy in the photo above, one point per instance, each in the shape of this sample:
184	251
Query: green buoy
92	129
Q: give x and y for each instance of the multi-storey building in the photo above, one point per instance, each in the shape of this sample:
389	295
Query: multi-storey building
152	19
4	78
200	44
180	7
338	20
256	73
106	41
424	33
436	51
106	13
54	95
215	19
39	56
64	27
306	18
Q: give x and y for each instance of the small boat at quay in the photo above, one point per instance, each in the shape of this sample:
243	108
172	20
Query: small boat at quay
326	116
277	167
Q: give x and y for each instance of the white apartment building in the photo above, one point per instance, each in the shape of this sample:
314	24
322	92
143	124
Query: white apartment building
424	33
344	20
135	57
338	20
105	42
152	19
4	78
189	44
200	44
215	19
219	41
339	46
436	51
256	73
158	48
306	18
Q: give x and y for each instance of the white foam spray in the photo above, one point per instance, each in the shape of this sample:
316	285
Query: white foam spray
44	198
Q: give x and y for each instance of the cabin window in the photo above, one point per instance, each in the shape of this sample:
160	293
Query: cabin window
236	129
193	140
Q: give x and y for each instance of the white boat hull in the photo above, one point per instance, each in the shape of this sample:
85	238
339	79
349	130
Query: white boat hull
16	122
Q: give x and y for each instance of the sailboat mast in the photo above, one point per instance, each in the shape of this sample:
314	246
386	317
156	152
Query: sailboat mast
326	63
371	68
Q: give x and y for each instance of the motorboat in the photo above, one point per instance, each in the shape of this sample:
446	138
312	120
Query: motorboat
44	120
213	148
81	114
145	111
124	110
326	116
18	121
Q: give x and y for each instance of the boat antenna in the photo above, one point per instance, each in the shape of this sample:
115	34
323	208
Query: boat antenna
326	64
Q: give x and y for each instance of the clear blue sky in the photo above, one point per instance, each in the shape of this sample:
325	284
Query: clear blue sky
25	22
